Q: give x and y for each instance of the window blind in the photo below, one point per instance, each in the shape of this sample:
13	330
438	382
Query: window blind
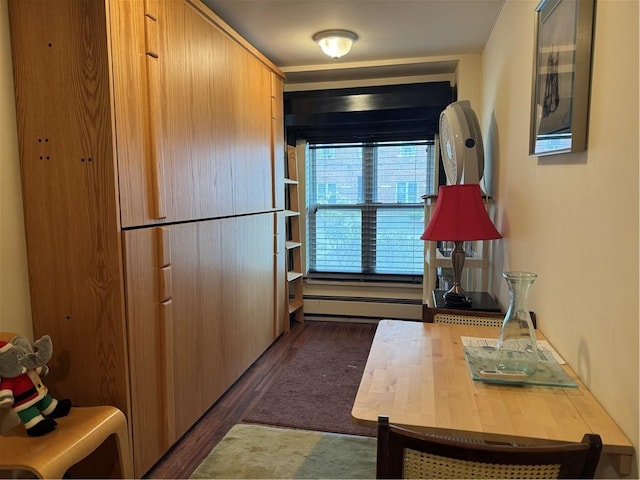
365	209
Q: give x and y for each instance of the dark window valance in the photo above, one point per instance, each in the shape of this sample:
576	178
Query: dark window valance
379	113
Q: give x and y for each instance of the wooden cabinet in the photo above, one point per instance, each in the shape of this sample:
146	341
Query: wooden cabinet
196	310
279	155
207	126
148	134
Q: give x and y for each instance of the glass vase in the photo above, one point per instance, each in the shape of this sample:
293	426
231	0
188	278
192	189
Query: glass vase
517	349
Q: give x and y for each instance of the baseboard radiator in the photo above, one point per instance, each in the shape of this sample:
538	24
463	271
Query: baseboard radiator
362	307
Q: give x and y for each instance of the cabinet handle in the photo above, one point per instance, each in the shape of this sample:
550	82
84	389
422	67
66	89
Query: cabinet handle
163	242
165	283
154	110
151	35
155	141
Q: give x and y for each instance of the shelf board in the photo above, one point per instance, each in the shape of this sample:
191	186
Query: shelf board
291	276
290	181
291	213
289	245
295	304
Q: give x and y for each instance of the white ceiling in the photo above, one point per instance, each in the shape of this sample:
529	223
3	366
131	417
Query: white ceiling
396	37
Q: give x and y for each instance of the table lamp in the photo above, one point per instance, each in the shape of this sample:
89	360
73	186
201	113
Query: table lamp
459	216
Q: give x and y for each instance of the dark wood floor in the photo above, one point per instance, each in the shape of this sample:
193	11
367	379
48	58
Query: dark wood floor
188	453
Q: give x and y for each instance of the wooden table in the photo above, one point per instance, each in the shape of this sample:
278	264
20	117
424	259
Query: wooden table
417	374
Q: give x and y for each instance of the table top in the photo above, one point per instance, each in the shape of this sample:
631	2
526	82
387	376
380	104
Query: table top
416	373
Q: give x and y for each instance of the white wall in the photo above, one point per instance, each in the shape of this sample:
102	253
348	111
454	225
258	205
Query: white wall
573	218
15	309
469	81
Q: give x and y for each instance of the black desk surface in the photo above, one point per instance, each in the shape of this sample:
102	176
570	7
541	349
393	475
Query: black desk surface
479	301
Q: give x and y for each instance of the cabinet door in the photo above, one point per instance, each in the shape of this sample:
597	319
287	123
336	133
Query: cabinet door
217	107
150	329
279	152
280	258
69	195
136	156
193	116
223	306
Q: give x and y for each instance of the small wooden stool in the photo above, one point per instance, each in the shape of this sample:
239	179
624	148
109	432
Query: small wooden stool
76	436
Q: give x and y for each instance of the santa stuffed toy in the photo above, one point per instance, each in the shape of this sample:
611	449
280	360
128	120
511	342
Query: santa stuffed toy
22	389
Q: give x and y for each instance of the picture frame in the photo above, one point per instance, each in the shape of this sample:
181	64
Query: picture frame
561	76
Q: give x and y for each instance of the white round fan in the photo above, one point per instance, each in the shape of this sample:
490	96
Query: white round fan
461	144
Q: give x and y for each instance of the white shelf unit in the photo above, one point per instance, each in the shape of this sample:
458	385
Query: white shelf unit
293	244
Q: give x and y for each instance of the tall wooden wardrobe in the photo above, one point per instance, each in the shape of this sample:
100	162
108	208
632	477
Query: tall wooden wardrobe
152	157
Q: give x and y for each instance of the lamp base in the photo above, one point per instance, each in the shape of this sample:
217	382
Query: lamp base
456	299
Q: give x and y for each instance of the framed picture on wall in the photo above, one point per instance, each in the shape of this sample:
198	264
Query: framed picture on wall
561	76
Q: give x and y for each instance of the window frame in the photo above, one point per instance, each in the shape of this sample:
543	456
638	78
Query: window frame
369	206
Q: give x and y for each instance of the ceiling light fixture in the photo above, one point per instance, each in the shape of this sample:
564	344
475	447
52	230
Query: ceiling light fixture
335	43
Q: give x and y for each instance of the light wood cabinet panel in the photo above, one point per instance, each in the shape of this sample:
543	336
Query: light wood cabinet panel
147	146
280	258
131	110
278	150
69	195
197	335
213	323
252	295
150	324
214	119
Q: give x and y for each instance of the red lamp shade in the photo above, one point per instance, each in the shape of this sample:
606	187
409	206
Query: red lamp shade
460	215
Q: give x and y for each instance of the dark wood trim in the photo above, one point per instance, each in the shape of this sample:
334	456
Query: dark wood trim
378	113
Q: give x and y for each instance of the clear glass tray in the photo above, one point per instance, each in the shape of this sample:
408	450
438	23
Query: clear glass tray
549	372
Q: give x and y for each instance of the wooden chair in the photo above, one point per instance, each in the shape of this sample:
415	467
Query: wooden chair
76	436
403	453
453	316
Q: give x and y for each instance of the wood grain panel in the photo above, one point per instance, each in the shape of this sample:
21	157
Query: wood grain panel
199	115
252	132
252	298
163	240
111	139
166	285
417	374
233	35
217	132
155	134
148	321
278	151
223	299
131	111
281	319
168	383
197	316
68	184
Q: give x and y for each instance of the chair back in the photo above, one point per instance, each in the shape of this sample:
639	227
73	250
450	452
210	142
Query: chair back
451	316
403	453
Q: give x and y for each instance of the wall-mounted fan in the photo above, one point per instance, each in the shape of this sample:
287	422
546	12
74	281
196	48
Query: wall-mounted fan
461	144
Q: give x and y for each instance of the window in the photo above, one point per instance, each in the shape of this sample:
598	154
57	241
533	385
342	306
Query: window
365	208
405	191
326	192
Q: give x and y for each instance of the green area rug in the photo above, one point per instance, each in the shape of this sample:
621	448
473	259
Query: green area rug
258	451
